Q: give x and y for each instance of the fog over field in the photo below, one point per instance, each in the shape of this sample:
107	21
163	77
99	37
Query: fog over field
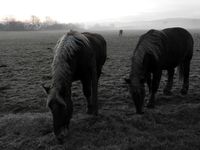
130	23
104	14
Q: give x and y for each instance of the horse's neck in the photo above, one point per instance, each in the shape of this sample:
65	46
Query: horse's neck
138	71
139	54
64	90
62	81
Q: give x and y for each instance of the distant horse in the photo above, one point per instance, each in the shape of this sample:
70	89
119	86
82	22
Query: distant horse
78	56
157	51
120	32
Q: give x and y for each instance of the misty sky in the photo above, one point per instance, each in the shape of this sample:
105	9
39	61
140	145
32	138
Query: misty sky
99	10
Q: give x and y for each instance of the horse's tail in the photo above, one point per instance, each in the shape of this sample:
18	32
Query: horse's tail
181	71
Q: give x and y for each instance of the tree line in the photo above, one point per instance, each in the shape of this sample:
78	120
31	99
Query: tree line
35	24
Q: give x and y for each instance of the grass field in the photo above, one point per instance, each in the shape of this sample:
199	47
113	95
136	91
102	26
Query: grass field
26	123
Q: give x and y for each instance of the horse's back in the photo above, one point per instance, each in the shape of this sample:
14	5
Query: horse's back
177	32
98	45
168	47
93	54
179	40
178	47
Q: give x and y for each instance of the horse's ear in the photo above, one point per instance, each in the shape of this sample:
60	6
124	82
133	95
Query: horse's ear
46	88
128	81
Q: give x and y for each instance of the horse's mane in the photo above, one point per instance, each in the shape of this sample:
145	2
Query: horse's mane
151	42
66	48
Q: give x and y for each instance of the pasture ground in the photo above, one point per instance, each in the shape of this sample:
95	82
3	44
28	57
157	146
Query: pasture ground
26	123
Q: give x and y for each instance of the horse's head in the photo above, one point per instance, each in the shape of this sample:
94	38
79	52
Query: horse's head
60	111
137	93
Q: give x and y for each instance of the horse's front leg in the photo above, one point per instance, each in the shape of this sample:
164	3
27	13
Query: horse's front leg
155	85
168	87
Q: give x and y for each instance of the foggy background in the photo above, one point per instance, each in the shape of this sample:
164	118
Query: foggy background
98	15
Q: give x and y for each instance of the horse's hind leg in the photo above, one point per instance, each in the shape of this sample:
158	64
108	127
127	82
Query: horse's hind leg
149	82
87	93
94	90
186	70
168	87
155	85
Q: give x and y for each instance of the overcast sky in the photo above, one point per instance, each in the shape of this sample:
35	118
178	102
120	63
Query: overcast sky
98	10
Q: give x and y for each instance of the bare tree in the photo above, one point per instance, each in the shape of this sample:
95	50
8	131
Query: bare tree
11	24
49	21
35	21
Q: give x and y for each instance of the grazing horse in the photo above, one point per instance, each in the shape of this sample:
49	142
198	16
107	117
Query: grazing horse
157	51
120	33
78	56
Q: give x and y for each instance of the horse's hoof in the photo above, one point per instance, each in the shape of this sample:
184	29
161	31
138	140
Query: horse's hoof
92	112
167	93
60	141
150	105
89	112
95	113
140	112
183	92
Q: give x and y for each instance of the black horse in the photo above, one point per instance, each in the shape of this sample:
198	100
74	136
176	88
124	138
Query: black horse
157	51
78	56
120	33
